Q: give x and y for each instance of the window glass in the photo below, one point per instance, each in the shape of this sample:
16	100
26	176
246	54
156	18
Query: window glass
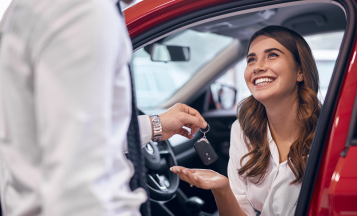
325	49
155	82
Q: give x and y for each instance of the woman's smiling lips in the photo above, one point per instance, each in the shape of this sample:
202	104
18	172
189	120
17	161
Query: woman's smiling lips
262	81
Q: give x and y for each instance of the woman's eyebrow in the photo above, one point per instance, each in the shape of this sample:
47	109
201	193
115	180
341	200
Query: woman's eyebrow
266	51
272	49
250	54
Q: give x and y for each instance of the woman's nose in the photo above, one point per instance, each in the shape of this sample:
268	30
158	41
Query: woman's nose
259	66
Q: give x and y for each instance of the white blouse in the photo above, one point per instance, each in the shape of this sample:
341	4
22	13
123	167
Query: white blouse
274	195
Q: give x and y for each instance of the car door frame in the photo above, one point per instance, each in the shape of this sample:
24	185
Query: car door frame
329	108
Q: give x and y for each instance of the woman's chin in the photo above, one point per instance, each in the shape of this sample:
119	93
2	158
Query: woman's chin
273	99
262	98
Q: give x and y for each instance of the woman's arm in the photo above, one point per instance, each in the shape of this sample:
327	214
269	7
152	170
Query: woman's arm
227	203
208	179
231	195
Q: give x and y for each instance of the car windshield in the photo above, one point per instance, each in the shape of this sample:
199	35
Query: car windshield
155	82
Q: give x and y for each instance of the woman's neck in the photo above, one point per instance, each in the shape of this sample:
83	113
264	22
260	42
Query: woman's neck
283	125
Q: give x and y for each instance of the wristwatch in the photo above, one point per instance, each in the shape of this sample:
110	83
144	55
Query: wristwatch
156	124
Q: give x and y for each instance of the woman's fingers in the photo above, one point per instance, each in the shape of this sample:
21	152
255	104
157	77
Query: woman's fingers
176	169
191	176
185	174
202	178
185	177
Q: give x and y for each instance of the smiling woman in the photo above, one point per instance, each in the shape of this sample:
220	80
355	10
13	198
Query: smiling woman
286	59
271	139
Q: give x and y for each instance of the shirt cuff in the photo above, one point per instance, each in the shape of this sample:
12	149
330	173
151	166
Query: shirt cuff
145	128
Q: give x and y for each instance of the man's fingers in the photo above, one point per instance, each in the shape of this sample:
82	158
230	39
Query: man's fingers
189	119
185	133
188	125
193	112
189	110
194	129
197	114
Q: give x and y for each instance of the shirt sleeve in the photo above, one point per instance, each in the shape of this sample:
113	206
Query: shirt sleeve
237	183
145	129
83	111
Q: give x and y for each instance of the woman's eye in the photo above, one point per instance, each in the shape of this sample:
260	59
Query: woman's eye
250	60
272	55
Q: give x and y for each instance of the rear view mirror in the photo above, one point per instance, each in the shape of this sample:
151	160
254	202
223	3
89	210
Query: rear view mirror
167	53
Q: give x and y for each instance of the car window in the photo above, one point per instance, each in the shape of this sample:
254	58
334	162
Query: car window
217	45
157	81
325	49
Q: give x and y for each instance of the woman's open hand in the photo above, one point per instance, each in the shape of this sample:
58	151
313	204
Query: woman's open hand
201	178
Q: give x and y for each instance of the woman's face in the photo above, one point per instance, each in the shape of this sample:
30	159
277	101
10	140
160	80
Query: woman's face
271	73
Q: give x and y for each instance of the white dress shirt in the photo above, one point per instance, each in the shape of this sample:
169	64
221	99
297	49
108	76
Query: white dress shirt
65	107
272	196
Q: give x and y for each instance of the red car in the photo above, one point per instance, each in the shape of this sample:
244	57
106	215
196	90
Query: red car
211	37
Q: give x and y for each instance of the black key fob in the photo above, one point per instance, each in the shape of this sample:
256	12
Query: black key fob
205	151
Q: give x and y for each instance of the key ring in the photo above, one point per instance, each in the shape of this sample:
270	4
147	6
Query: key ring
208	127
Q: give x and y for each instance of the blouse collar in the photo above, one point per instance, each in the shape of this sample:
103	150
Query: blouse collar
272	147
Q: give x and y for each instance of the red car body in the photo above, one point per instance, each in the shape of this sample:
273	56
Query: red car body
335	188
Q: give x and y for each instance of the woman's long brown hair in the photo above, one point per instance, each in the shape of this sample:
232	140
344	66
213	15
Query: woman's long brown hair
253	119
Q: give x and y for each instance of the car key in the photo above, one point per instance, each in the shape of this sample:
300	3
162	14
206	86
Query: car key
204	148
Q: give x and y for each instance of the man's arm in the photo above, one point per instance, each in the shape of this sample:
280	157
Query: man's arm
83	111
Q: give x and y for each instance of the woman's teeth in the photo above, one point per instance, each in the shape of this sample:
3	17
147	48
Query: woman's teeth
262	81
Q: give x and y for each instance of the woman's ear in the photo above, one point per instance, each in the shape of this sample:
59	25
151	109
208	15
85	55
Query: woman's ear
300	75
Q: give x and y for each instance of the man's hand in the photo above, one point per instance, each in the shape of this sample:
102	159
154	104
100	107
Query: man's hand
178	116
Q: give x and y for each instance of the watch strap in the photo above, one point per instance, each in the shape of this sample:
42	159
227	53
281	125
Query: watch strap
157	128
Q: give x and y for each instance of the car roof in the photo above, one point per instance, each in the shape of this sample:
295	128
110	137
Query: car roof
305	18
149	13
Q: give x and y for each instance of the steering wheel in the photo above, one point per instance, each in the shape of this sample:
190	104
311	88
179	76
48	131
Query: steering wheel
162	183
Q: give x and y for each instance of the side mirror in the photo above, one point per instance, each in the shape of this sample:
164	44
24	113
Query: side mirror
167	53
224	96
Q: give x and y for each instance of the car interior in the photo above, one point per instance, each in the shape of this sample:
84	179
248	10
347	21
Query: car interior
201	64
